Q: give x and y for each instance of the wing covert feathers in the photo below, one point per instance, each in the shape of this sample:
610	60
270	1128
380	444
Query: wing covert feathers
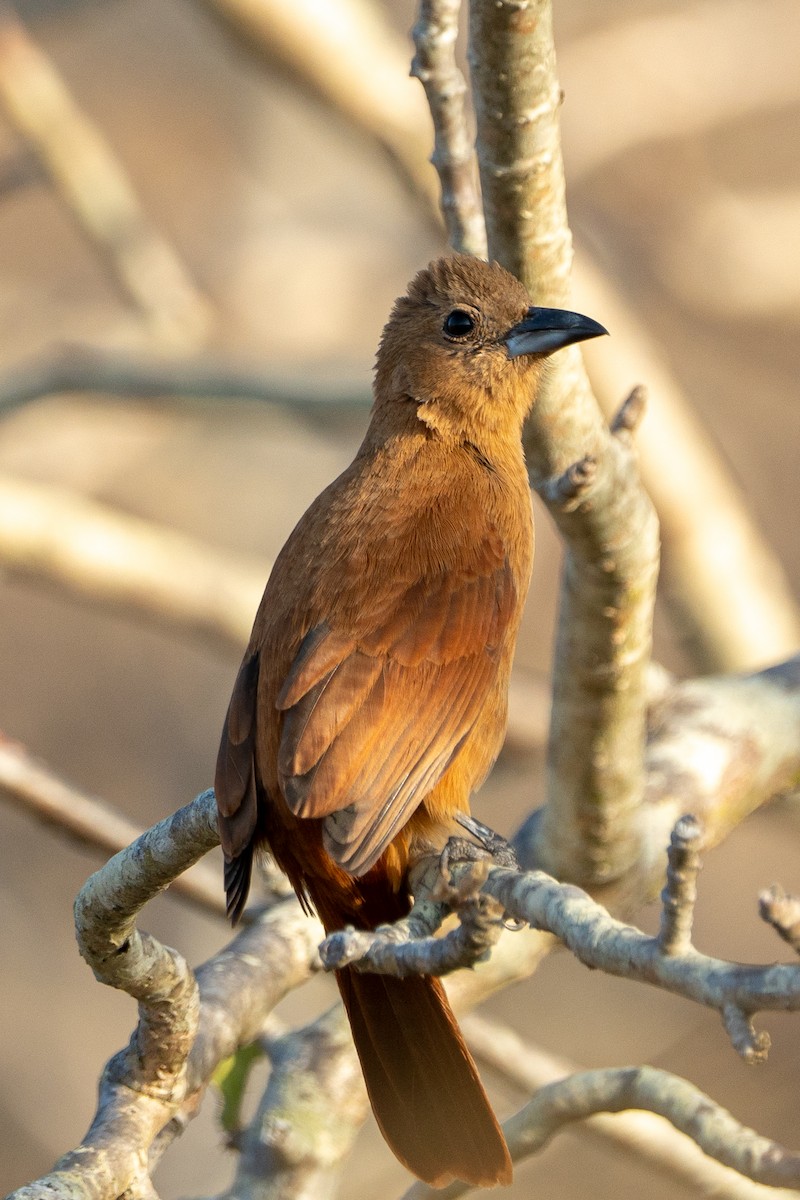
372	719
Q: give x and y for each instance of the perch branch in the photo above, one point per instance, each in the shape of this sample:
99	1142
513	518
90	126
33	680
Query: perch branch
403	949
595	773
95	187
599	941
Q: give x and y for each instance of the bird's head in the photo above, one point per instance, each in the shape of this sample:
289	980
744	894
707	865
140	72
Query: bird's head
466	348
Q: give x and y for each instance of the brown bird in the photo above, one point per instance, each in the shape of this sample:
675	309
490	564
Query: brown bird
372	697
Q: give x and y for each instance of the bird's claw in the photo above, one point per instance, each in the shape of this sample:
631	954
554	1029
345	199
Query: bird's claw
491	847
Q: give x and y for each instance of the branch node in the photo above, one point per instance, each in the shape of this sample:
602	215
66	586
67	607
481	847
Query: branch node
680	892
746	1041
566	491
630	412
781	910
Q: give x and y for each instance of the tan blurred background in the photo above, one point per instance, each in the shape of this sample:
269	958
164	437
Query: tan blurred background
300	233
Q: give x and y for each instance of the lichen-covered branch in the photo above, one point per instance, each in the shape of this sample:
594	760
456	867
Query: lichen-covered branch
595	770
308	1118
599	941
188	1022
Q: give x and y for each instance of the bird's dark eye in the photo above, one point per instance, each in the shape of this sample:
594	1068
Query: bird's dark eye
458	324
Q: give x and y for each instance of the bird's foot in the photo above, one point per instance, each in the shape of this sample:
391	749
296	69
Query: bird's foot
492	849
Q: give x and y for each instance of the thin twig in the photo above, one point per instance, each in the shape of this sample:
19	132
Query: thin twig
109	373
680	891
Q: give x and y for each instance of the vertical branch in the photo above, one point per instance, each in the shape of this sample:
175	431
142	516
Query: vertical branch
435	67
610	530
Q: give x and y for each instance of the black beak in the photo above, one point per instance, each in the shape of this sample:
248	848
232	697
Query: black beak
544	330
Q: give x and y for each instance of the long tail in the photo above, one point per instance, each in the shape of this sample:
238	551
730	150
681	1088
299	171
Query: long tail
423	1085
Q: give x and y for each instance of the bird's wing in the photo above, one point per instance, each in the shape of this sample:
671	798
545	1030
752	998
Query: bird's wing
373	717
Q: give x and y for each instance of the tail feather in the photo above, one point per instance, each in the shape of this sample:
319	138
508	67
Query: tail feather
237	883
422	1082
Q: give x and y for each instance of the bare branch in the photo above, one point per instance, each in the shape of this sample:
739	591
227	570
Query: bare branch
611	113
348	56
96	188
598	940
453	157
688	1109
644	1136
595	773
